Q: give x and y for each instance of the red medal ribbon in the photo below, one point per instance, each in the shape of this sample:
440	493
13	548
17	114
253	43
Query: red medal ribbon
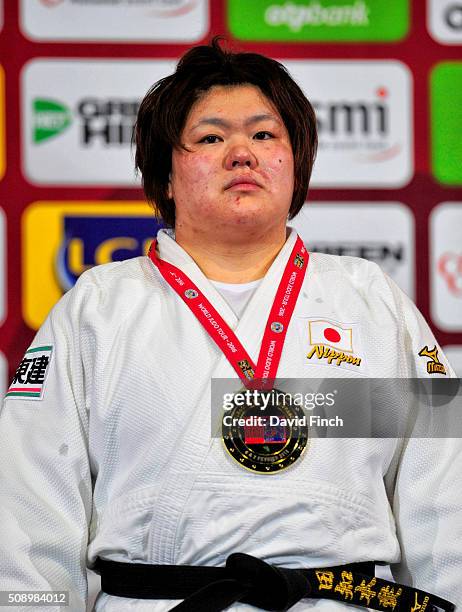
276	326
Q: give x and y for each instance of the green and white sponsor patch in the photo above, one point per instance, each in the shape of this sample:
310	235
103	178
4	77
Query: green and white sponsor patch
319	20
30	377
50	118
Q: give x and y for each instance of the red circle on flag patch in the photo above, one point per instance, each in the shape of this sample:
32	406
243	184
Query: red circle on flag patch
331	335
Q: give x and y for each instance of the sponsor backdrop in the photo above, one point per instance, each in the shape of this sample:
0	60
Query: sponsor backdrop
385	79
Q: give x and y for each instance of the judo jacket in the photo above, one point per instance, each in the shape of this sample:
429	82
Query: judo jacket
107	450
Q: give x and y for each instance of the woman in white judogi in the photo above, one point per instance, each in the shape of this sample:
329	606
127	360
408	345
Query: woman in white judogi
105	435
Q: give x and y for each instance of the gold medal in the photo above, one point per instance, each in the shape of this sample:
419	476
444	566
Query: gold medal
264	431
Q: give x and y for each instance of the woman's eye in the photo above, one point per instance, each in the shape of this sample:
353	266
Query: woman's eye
263	135
209	139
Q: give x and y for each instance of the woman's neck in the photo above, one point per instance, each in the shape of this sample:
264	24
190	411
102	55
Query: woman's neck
233	262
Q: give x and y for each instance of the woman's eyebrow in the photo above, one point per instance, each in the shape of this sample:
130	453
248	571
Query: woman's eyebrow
218	121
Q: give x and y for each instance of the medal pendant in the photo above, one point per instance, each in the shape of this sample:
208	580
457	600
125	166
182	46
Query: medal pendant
264	432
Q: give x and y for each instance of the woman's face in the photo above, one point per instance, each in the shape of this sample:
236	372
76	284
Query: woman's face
235	170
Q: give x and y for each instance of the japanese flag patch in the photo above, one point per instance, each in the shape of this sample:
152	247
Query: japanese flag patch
331	343
326	333
30	377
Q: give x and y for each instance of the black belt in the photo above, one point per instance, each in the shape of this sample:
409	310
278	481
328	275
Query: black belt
250	580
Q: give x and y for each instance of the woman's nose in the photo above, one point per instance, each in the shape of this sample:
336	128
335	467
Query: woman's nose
240	156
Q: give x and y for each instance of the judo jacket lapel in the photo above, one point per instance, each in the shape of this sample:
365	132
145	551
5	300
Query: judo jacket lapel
197	441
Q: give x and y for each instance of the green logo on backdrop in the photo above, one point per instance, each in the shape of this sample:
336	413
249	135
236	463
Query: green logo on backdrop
49	119
446	113
319	20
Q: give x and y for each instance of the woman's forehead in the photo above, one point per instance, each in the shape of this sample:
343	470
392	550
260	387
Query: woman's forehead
234	101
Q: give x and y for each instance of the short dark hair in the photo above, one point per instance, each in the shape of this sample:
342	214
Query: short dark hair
164	110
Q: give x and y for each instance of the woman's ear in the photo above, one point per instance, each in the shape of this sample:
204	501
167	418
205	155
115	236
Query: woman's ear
169	187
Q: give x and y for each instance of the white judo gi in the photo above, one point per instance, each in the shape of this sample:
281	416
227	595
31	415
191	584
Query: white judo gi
115	457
